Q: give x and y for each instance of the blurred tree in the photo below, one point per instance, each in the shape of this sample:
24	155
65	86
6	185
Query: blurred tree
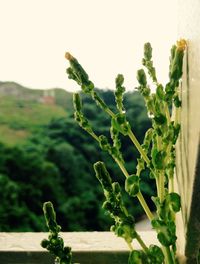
56	164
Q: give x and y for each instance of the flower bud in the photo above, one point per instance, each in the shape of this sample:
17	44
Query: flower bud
141	77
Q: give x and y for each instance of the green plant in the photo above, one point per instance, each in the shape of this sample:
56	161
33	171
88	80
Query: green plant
55	244
157	153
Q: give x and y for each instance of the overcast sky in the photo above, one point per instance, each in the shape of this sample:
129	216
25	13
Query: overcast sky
106	36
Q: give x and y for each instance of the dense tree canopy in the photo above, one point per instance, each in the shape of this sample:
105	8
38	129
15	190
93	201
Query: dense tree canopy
56	164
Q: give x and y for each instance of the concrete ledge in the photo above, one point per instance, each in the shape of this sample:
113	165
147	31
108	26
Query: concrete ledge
88	247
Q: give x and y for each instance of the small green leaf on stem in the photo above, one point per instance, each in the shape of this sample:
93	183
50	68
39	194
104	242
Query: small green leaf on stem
132	185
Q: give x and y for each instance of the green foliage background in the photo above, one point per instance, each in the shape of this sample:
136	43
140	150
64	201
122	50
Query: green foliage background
44	155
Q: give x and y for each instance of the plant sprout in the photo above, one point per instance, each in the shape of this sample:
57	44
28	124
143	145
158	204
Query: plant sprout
55	244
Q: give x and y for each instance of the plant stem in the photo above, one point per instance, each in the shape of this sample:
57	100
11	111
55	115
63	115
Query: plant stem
157	186
123	169
141	242
162	186
177	116
129	245
171	185
138	146
167	114
167	253
145	206
110	112
94	136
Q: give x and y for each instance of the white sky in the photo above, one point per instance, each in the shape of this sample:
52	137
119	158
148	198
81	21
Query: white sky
106	36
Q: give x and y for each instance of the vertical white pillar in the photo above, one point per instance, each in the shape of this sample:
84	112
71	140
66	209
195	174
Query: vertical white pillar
188	170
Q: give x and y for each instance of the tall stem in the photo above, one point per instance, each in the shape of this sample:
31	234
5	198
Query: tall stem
145	206
167	253
167	114
141	242
138	146
162	186
123	169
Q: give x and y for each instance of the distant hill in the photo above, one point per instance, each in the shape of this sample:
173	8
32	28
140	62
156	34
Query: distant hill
23	111
12	89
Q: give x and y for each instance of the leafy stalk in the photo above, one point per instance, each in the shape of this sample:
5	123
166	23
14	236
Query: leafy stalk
124	222
157	153
55	244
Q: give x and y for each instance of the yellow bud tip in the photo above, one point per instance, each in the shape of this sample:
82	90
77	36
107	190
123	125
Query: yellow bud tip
68	56
181	44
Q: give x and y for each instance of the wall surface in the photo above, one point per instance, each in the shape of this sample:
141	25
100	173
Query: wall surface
188	171
87	247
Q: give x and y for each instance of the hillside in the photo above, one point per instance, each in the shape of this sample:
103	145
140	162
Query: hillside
15	90
24	111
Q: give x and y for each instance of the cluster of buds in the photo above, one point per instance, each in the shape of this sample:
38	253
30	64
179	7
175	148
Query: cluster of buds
55	244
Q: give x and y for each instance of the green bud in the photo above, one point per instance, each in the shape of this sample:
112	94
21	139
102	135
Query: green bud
77	102
77	117
140	165
150	106
176	65
67	250
164	239
119	92
160	92
87	88
107	206
129	220
147	139
102	175
141	77
44	243
103	143
116	188
172	51
120	123
50	217
119	80
72	75
147	51
132	185
160	119
78	70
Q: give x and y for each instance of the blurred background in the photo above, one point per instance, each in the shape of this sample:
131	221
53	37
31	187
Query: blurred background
44	155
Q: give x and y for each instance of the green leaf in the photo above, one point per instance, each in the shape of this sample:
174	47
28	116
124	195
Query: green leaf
177	101
136	257
132	185
160	119
158	158
174	201
155	254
